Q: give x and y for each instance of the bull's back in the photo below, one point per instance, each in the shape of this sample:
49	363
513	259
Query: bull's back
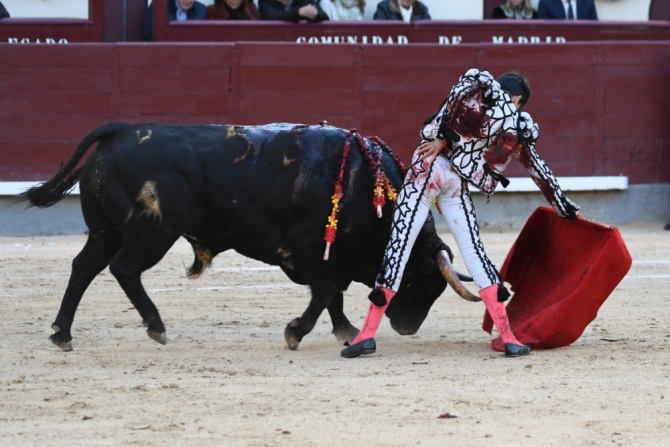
271	185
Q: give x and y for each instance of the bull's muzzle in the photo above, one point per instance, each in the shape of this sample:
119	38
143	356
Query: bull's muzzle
452	277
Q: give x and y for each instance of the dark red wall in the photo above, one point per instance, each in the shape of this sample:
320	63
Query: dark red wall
602	107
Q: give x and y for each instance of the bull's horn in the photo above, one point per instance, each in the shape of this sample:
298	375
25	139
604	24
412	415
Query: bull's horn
452	277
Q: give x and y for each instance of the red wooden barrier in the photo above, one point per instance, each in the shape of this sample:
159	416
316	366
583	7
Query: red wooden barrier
602	107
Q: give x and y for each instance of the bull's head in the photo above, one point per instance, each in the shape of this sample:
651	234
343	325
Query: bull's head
427	274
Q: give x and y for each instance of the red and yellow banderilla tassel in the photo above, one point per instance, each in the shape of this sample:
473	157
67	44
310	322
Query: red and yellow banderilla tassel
379	200
390	191
331	228
383	188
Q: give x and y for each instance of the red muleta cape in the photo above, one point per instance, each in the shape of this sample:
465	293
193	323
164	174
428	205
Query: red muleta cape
561	272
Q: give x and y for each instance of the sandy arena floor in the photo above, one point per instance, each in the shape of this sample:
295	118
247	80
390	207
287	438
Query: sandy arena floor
226	377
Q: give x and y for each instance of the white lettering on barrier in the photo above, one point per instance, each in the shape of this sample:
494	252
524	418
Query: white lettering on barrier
377	40
455	40
526	40
48	40
390	40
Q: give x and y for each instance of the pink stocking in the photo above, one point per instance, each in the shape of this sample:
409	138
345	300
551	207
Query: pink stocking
374	317
498	313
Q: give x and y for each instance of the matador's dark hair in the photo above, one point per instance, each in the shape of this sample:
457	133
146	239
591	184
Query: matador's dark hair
515	84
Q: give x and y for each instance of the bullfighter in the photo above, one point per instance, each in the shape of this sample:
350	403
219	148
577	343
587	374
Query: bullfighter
470	140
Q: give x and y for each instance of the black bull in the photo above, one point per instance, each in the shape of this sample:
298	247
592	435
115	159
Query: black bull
262	191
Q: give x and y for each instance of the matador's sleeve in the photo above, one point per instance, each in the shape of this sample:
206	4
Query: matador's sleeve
539	171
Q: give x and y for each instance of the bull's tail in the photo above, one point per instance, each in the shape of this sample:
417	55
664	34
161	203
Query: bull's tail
52	191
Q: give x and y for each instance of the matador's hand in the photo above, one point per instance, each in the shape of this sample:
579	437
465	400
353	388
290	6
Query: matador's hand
430	149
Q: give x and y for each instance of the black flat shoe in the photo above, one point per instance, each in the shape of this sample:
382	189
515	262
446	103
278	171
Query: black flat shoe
367	346
512	350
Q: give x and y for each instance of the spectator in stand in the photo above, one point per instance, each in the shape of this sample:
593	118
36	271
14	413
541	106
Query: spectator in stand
515	10
405	10
292	11
233	10
3	12
345	10
177	10
567	9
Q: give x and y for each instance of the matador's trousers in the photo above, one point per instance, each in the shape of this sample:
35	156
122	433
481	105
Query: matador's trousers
424	183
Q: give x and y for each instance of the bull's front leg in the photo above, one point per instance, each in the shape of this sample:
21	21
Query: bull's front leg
343	330
323	294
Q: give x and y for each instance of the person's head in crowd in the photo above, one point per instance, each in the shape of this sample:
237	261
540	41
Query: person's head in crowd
232	4
185	4
344	9
177	10
515	9
186	10
233	10
405	10
517	87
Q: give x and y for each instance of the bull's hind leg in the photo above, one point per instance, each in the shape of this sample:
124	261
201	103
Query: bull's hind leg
139	252
100	248
343	330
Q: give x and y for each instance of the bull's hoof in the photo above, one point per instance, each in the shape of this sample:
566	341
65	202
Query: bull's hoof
345	334
292	339
64	345
157	336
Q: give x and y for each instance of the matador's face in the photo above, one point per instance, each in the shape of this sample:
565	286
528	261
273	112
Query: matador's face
517	101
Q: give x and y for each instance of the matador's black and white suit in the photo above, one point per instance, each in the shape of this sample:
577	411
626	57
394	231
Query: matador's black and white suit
483	130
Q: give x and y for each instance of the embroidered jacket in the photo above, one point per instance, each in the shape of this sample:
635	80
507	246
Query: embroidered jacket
483	129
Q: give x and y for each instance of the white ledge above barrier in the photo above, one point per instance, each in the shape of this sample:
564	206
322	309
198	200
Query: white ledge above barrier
585	184
14	188
516	184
